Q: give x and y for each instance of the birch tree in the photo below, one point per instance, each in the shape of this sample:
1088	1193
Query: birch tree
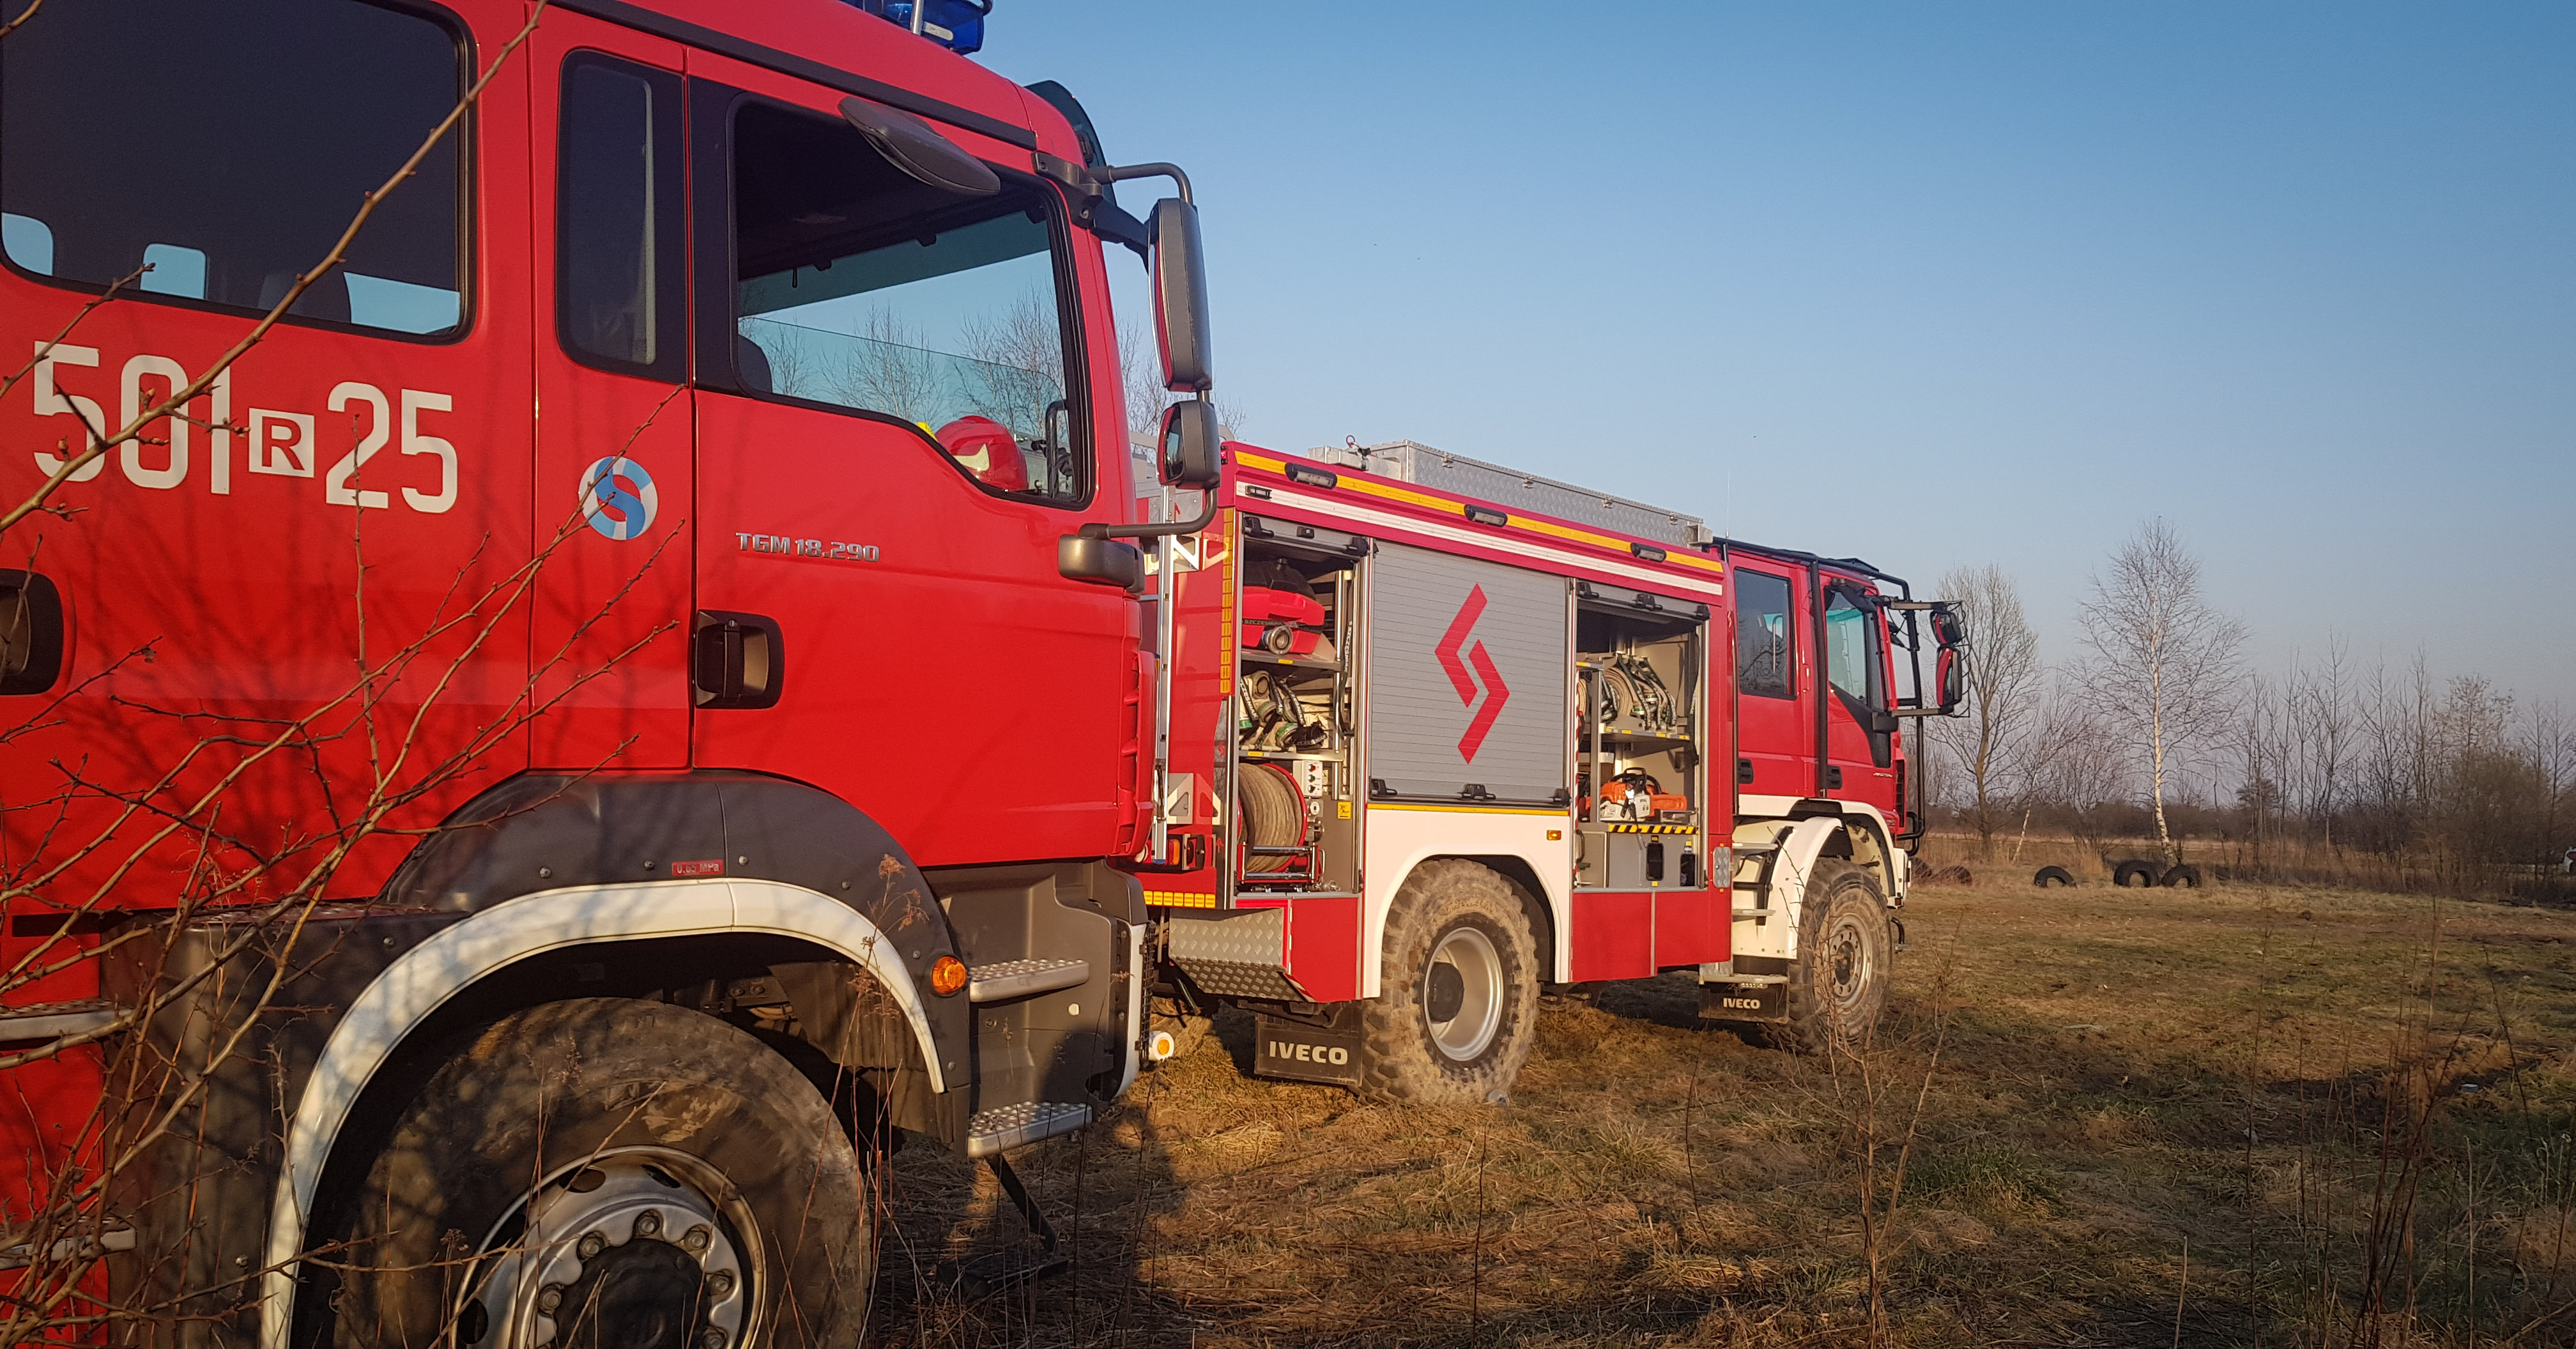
2167	661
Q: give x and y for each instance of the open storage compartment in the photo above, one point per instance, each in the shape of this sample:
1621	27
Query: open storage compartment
1291	826
1641	794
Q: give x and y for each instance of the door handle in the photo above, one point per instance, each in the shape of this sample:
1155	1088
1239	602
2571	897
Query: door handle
31	632
736	660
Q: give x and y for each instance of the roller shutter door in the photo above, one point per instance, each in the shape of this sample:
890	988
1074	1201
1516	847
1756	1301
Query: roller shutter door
1466	679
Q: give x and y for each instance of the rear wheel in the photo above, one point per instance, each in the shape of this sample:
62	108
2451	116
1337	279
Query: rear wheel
1459	1008
1838	985
606	1172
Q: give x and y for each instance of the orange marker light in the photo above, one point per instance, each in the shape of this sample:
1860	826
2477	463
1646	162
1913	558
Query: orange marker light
947	975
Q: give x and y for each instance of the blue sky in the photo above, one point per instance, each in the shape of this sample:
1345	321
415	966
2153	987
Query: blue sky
1926	284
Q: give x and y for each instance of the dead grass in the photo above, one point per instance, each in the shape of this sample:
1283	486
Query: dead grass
2270	1075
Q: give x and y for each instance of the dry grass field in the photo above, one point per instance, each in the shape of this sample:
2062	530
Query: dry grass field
2228	1116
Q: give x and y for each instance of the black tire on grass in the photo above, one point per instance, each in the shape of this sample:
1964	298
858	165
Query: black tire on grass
2047	877
588	1114
1838	984
2182	877
1458	1011
2134	874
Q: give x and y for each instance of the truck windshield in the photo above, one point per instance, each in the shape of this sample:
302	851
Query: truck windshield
864	288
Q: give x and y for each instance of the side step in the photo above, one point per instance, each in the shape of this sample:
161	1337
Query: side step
54	1020
991	1132
1024	979
16	1252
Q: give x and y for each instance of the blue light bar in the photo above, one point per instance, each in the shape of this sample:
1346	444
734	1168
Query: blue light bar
957	25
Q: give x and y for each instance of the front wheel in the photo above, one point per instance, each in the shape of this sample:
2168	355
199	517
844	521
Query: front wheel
1838	985
605	1172
1458	1013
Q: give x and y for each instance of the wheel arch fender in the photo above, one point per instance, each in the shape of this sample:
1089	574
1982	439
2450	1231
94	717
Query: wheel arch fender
1544	920
1891	863
1806	841
546	864
488	946
1401	842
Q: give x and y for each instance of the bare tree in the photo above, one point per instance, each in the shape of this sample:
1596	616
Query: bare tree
2168	660
1991	747
2077	759
2263	742
2321	706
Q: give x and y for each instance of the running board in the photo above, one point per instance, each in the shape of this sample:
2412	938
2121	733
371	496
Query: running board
57	1020
18	1253
991	1132
1013	979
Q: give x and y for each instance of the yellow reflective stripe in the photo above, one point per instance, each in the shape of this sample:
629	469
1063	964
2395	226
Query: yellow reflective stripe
1180	899
1675	556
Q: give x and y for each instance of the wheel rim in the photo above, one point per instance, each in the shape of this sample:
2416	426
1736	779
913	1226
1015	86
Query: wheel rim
1462	1004
645	1247
1849	962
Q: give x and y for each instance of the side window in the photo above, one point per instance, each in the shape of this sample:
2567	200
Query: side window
1762	634
229	146
861	287
1851	650
620	214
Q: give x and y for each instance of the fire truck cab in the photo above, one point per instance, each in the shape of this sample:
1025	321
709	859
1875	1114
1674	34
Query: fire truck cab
510	782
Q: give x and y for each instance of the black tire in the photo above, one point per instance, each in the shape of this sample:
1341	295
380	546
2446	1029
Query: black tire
584	1117
2134	873
1449	1027
2182	877
1838	984
2052	876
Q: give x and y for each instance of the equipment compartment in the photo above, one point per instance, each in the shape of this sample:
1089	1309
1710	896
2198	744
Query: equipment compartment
1292	824
1639	792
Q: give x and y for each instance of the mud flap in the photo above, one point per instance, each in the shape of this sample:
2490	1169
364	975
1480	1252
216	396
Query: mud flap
1301	1052
1744	1002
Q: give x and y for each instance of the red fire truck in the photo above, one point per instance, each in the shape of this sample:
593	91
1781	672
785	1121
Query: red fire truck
514	775
1441	733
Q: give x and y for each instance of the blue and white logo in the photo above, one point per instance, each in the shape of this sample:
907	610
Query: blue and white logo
618	498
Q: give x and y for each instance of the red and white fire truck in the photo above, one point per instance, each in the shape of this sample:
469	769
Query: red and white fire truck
1440	733
647	676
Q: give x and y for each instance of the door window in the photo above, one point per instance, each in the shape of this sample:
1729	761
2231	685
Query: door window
619	261
229	146
1851	651
1762	635
863	288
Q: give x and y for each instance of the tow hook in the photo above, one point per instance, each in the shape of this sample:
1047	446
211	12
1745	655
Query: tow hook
1899	925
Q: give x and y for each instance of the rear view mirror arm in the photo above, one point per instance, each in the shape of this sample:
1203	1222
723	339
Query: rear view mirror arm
1207	515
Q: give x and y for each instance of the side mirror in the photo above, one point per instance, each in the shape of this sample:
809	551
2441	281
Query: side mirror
1948	628
1180	297
1950	678
1190	456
